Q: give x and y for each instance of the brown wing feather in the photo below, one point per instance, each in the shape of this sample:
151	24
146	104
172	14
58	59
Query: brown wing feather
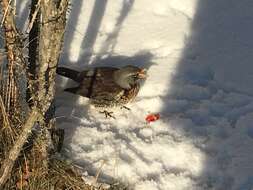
105	92
98	85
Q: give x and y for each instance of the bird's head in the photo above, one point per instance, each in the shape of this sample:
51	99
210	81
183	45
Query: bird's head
128	76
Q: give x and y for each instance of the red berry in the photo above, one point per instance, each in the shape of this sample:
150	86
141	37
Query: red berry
152	117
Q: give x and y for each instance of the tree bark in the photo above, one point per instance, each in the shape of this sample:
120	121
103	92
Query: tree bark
51	34
50	38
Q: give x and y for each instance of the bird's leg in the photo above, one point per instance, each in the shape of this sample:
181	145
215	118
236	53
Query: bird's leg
108	114
124	107
57	138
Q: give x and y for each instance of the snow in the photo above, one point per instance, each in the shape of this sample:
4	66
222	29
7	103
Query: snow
199	60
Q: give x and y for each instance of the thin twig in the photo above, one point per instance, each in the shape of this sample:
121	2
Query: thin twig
28	43
33	17
5	13
4	114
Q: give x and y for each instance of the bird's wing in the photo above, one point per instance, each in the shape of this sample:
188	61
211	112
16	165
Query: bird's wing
69	73
106	87
107	98
98	72
104	90
79	90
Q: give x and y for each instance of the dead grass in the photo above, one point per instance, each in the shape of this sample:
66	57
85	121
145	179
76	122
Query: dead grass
30	171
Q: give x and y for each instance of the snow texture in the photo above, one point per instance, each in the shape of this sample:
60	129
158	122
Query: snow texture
199	59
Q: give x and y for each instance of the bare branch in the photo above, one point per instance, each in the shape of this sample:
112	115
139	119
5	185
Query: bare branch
13	43
8	163
33	17
6	12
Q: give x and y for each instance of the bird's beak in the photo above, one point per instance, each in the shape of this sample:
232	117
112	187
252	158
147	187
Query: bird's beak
142	74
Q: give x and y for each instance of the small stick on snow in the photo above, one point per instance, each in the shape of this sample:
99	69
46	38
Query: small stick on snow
99	171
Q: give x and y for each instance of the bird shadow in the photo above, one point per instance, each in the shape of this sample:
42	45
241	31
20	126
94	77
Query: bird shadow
72	111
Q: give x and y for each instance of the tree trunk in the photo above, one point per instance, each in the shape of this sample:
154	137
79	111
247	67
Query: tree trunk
44	50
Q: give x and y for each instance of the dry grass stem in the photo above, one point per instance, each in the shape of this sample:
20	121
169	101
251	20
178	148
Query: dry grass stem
4	114
98	172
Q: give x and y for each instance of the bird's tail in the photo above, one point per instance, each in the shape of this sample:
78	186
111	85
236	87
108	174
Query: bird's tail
69	73
77	90
74	90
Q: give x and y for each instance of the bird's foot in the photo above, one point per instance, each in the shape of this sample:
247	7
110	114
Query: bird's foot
124	107
108	114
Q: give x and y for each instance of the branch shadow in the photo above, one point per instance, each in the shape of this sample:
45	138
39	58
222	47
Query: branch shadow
87	41
111	39
73	114
214	78
23	10
92	31
75	11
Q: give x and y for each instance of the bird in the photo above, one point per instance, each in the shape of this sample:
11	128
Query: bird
106	86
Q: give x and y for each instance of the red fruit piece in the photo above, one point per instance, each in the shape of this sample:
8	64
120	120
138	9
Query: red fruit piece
152	117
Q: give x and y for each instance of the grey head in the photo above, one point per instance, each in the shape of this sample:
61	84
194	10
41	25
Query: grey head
128	76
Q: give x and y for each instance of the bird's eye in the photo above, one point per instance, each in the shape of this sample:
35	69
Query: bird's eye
136	76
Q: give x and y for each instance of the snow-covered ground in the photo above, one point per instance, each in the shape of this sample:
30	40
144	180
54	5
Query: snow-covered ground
199	58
